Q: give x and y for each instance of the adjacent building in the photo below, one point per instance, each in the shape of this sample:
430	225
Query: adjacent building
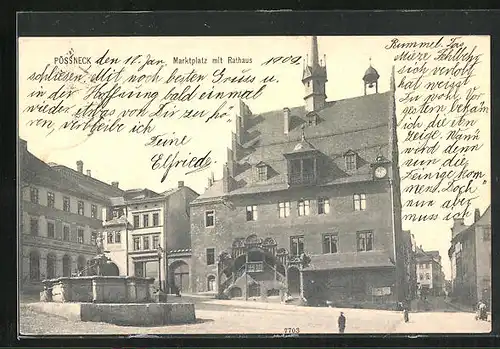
319	179
141	221
430	275
60	217
470	256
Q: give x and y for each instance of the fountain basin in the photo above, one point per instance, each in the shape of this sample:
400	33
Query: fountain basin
131	314
98	289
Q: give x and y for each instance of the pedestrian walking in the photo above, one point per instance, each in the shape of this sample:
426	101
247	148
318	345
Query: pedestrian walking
341	322
406	314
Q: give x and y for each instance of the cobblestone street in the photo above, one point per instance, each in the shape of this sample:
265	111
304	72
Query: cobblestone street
231	317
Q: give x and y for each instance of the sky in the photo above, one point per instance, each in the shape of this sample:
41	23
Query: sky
124	158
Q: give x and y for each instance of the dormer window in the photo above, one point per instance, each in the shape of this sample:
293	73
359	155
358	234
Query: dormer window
261	172
350	161
302	170
312	119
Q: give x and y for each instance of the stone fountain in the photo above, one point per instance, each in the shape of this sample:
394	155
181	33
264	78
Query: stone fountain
122	300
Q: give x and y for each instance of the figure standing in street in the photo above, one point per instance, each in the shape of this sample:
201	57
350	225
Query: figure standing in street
406	314
341	322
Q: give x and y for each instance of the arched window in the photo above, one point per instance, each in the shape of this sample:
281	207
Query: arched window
51	266
66	261
211	283
80	264
34	266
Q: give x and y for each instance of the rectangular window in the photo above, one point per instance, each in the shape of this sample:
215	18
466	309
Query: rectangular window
156	241
93	238
427	276
80	236
156	219
284	209
209	218
50	229
296	245
93	211
34	195
137	244
66	204
262	173
110	238
486	234
359	202
323	206
251	213
34	226
145	220
330	243
421	276
81	208
66	233
145	242
51	199
118	237
210	256
364	241
303	207
136	221
350	162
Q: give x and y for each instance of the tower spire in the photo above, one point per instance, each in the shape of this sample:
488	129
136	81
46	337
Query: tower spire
313	55
314	78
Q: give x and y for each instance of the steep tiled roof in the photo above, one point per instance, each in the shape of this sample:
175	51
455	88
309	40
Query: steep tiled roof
485	219
349	261
359	124
35	171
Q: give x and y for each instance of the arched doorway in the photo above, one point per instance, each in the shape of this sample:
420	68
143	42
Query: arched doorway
34	266
81	264
293	281
179	276
235	292
66	262
51	266
110	269
211	283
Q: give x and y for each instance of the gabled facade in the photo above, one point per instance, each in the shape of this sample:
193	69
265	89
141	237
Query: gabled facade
322	179
430	275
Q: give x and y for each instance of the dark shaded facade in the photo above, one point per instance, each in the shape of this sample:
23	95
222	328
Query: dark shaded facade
470	256
320	179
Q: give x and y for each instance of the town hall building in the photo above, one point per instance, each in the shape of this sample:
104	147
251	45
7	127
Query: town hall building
309	201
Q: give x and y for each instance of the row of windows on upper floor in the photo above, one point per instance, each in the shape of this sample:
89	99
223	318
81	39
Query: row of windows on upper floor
66	234
66	203
139	243
427	276
305	169
303	209
146	221
330	244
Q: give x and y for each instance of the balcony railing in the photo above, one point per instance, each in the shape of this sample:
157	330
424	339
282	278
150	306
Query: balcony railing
302	178
255	267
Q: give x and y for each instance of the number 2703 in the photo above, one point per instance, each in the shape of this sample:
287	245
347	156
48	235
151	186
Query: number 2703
294	330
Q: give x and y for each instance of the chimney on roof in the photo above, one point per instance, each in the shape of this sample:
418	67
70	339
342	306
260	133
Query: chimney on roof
115	184
79	166
477	215
89	173
226	179
286	120
180	184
